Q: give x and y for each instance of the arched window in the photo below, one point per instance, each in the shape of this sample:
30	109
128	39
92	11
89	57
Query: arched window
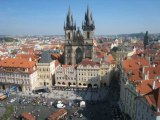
69	36
88	35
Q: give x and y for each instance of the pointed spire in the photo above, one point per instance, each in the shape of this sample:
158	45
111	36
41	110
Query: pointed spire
64	25
88	9
146	40
91	15
69	10
69	20
75	24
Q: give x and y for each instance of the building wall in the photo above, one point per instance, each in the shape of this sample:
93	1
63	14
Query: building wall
144	111
104	74
88	75
24	81
130	104
65	76
45	73
122	89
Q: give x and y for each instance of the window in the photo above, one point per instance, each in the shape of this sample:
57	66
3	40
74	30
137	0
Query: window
88	35
69	36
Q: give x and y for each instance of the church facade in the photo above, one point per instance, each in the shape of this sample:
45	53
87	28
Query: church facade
78	46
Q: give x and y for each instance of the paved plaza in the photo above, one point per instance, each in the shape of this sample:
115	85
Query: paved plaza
87	95
24	103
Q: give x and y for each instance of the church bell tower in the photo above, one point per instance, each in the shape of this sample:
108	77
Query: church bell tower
88	33
69	28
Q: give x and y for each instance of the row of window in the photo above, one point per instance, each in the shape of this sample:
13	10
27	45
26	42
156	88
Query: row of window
68	78
44	76
65	72
15	81
89	79
43	69
95	74
14	75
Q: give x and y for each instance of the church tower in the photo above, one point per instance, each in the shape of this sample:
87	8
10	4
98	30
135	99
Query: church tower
77	46
69	28
88	34
146	40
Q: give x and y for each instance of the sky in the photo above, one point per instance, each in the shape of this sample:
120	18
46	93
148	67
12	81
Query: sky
46	17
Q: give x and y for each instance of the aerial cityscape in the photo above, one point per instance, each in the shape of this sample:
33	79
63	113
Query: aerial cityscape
80	60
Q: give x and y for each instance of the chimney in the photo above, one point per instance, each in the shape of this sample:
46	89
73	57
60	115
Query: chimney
154	85
30	59
146	76
143	69
154	65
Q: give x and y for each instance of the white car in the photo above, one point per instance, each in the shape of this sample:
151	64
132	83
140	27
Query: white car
12	100
61	105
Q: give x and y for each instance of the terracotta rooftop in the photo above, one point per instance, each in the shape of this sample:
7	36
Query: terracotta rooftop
27	116
16	62
146	86
110	59
56	115
133	68
87	61
153	98
27	56
152	71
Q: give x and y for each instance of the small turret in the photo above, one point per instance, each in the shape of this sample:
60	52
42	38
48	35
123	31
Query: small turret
146	40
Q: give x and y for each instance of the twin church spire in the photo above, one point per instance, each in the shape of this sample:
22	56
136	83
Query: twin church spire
86	25
89	22
69	21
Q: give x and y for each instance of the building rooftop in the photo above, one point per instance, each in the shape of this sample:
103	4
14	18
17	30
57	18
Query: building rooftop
27	116
17	63
46	56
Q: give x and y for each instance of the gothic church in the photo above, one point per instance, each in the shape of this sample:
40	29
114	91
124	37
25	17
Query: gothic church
78	46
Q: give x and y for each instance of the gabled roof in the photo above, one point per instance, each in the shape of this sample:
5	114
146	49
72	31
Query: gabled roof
27	56
87	61
145	86
46	57
17	63
56	115
27	116
153	98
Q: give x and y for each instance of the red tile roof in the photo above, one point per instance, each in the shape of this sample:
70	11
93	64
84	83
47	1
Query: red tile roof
87	61
27	116
27	56
133	68
56	115
145	86
153	71
153	98
15	62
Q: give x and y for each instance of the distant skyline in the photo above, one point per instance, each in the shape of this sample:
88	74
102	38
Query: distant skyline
46	17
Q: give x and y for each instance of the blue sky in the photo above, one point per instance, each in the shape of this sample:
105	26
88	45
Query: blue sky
45	17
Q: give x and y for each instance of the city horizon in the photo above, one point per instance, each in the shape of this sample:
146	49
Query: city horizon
111	17
94	35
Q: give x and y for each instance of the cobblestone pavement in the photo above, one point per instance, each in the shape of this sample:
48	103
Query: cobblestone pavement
43	111
89	95
2	110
